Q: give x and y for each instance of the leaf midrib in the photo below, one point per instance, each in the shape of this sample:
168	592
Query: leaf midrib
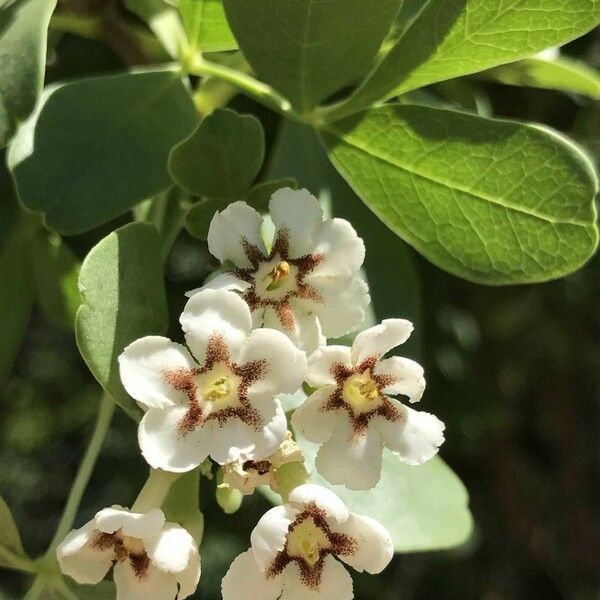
476	195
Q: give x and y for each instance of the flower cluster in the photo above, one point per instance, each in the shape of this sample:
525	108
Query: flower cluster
256	330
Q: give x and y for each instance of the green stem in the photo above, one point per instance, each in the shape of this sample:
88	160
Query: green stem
258	90
155	490
36	589
18	562
101	427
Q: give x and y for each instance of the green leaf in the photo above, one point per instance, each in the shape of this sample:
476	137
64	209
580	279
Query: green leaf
200	215
112	154
388	262
16	301
261	193
451	39
11	548
206	25
23	33
562	74
495	202
56	271
163	21
424	508
309	49
221	158
123	293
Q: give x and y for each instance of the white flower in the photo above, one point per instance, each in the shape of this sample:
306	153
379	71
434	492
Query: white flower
295	546
152	559
352	414
246	476
307	284
224	404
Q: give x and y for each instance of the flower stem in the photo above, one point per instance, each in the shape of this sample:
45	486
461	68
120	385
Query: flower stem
258	90
155	490
101	427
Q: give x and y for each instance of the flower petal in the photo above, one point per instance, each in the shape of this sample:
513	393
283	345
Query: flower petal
311	421
408	375
231	229
80	560
237	440
172	549
269	536
351	460
417	439
143	365
374	549
378	340
149	585
215	313
344	300
342	250
245	579
306	333
321	362
335	583
223	281
299	213
165	447
138	525
322	497
188	578
285	364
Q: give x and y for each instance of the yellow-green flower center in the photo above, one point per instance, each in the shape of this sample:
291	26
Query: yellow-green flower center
307	541
361	392
218	390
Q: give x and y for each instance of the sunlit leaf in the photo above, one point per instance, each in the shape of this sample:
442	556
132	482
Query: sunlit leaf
206	25
491	201
450	39
562	74
123	293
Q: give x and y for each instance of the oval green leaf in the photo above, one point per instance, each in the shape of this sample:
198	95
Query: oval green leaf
96	147
424	508
23	40
494	202
221	158
451	39
122	288
310	49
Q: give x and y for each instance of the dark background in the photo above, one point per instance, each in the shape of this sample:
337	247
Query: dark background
513	371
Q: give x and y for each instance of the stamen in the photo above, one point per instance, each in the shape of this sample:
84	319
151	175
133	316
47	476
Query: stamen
278	275
362	392
218	390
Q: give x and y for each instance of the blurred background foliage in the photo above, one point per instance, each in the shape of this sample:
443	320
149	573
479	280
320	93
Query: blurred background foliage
514	372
